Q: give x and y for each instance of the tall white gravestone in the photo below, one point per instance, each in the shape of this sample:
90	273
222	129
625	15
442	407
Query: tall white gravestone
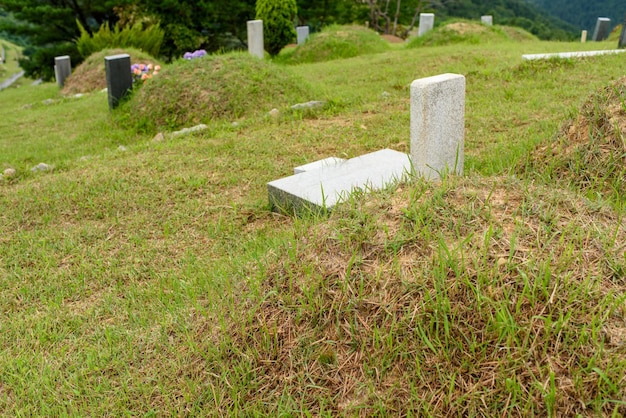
303	34
487	20
602	30
62	69
438	125
427	22
583	36
255	38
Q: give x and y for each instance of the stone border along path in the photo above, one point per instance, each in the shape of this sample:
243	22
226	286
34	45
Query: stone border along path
9	82
437	135
579	54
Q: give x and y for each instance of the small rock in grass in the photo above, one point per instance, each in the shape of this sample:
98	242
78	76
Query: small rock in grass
9	172
186	131
48	101
386	94
122	148
78	95
308	105
234	124
274	113
104	90
41	167
159	137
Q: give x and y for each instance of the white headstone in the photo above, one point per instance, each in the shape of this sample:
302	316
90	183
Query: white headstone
438	125
303	34
427	22
602	30
583	36
255	38
62	69
487	20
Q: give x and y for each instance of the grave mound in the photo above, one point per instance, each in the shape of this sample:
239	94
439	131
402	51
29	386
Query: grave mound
90	76
405	288
231	86
590	150
465	31
336	42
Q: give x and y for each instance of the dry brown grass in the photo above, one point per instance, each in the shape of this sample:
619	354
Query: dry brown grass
373	309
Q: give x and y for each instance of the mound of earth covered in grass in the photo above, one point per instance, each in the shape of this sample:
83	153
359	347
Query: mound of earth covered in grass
231	86
479	296
91	76
590	150
464	31
336	42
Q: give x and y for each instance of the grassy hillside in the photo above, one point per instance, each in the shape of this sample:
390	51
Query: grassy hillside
11	67
142	277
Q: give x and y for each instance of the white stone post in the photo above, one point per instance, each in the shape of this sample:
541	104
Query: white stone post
255	38
62	69
583	36
487	20
427	22
438	125
303	34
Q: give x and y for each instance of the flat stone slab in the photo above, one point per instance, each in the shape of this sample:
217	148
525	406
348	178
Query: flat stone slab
316	165
325	187
578	54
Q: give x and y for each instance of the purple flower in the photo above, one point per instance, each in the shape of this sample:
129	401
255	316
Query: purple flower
188	55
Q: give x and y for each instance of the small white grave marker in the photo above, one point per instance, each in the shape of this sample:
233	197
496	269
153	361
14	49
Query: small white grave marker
487	20
62	69
427	22
255	38
303	34
438	125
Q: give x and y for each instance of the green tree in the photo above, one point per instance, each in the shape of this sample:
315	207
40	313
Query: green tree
50	28
278	18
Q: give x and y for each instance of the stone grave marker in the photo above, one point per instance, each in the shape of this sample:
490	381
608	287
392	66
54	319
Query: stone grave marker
303	34
62	69
583	36
255	38
3	55
622	35
602	30
438	125
487	20
119	78
427	22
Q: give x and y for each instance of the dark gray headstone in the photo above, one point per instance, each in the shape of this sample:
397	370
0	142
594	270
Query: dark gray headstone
119	78
622	35
602	30
62	69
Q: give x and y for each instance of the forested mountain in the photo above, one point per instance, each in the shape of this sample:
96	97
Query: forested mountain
584	13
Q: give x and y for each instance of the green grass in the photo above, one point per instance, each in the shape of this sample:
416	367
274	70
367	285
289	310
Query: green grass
156	282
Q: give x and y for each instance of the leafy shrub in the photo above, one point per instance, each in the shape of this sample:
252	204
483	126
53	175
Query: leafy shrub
278	27
147	39
38	62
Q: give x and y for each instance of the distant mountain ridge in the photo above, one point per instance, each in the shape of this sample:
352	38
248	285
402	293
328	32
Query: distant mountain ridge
584	13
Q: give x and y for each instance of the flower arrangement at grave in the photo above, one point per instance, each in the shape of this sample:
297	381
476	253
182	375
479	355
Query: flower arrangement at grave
142	72
195	54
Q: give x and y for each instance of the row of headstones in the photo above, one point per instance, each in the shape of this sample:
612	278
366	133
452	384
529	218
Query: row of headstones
602	31
255	37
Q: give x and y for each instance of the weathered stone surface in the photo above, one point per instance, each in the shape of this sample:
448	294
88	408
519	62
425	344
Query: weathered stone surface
602	30
308	105
303	34
316	165
255	38
487	20
427	22
62	69
119	78
187	131
438	125
577	54
325	187
41	167
9	172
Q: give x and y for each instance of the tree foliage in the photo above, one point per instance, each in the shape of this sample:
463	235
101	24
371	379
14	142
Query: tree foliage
278	18
147	39
583	14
